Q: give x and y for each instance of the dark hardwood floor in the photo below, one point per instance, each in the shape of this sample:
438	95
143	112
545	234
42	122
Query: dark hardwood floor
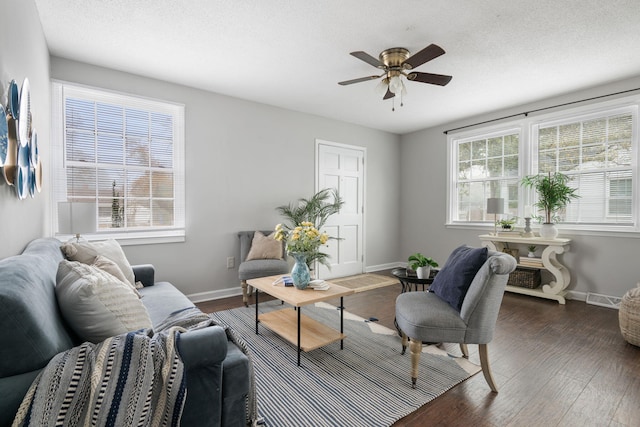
555	365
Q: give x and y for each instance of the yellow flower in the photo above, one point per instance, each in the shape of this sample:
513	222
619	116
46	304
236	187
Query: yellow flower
323	238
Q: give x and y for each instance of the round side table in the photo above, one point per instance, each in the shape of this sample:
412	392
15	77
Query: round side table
411	282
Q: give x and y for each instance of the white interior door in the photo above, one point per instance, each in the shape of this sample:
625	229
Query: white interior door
342	167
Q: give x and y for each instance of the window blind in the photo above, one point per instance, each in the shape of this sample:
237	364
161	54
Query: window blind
596	153
126	154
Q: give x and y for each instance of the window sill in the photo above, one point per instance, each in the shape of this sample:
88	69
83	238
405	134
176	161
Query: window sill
565	230
134	238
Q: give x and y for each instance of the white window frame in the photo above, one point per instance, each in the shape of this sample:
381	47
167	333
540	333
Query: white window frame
61	90
453	142
528	162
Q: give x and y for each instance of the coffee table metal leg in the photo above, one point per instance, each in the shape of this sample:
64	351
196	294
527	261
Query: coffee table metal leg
299	310
341	321
257	321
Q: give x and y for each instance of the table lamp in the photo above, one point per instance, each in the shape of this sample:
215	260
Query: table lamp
495	206
77	218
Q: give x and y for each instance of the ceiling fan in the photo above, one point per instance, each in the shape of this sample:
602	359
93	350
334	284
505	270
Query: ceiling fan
396	63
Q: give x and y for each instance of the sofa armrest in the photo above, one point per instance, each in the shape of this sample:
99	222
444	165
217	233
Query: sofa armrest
144	273
203	352
203	347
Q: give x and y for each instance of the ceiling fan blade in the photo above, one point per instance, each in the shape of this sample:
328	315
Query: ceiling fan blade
364	56
389	94
427	54
361	79
434	79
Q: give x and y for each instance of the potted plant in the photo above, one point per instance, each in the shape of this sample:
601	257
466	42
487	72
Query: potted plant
507	224
422	265
553	195
315	210
532	251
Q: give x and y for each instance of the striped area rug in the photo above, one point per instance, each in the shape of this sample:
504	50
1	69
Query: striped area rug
368	383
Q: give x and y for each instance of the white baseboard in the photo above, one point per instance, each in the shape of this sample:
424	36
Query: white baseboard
212	295
388	266
576	295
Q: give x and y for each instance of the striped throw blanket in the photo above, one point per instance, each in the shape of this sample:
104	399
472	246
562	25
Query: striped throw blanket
134	379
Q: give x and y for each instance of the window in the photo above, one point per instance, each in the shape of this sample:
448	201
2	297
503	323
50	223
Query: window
486	166
596	152
595	146
125	154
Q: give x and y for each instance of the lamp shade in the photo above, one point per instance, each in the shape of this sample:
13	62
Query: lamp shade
76	218
495	205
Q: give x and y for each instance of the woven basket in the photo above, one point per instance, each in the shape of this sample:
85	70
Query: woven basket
629	316
524	278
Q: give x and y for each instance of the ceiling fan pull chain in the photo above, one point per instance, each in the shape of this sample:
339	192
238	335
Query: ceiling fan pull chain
393	106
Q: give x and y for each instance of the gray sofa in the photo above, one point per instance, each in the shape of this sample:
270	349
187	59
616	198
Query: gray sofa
32	331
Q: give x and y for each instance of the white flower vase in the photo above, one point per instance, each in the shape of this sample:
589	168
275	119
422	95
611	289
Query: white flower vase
423	272
548	231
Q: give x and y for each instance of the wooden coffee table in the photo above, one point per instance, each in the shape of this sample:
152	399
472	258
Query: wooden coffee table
308	334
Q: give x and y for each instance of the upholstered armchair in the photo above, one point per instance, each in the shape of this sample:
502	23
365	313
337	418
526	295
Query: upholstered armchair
260	256
450	313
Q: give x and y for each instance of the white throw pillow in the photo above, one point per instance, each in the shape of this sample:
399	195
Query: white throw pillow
105	264
86	253
95	304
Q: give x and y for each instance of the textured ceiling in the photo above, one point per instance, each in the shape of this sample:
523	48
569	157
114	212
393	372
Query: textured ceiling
291	54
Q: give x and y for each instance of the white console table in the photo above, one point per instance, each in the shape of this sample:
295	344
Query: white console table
555	289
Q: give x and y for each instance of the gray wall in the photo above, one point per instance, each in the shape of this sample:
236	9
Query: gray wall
242	160
599	264
23	53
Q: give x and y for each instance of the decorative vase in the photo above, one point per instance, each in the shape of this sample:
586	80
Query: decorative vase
300	272
548	231
423	272
531	254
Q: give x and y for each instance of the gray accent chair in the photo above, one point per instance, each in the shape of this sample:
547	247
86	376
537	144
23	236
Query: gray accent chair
425	317
255	268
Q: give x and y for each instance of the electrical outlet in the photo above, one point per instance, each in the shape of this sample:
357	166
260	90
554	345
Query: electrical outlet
231	262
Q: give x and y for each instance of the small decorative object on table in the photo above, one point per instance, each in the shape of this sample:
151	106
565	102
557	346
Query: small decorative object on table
514	252
507	224
422	265
532	251
525	278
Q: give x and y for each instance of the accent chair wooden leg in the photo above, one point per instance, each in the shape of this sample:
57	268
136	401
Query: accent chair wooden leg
486	369
245	300
416	351
465	350
405	341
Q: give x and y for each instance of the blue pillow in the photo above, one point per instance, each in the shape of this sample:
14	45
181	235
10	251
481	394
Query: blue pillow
453	281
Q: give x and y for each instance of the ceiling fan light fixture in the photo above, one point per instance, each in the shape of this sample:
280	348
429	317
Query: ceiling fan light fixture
382	86
396	85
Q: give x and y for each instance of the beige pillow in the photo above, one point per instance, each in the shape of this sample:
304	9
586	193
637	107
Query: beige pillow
86	253
105	264
264	247
95	304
